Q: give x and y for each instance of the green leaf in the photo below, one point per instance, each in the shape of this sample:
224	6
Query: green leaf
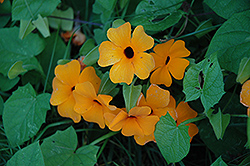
232	41
60	149
106	85
245	162
5	8
92	57
1	105
105	8
204	80
131	94
226	8
27	9
204	25
219	123
30	155
157	15
26	27
42	24
16	69
66	25
87	47
243	73
6	83
154	24
13	49
117	23
219	162
173	141
24	113
99	35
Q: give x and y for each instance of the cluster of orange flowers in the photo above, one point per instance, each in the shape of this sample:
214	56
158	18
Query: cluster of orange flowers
75	92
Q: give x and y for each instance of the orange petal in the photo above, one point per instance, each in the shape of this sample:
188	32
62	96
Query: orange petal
118	120
147	124
109	54
161	76
95	114
140	111
245	94
157	97
131	127
171	108
184	112
177	67
140	40
79	38
141	101
61	92
162	50
120	36
143	64
192	130
160	111
159	60
86	89
83	103
66	109
145	139
68	73
105	99
89	74
122	71
179	50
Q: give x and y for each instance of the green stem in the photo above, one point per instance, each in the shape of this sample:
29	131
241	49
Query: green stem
198	118
110	134
239	116
102	148
51	59
51	125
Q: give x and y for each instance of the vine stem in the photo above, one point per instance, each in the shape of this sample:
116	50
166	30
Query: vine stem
110	134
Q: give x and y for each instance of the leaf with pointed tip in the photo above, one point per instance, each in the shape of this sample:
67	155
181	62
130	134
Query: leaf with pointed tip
219	162
26	27
24	113
16	69
173	141
204	80
131	94
42	25
243	73
60	149
30	155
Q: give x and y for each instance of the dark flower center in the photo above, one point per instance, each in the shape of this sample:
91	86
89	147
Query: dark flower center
168	59
73	88
96	101
129	53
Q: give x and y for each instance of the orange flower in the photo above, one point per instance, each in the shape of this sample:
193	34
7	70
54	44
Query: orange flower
157	99
169	59
1	1
245	95
137	122
127	54
67	76
78	37
90	105
184	112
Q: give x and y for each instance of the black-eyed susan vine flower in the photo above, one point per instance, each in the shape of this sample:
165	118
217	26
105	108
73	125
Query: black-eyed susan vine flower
169	59
245	95
90	105
137	122
126	53
67	76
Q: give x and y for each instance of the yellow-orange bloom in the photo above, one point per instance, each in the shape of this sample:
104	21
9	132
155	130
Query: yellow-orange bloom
137	122
1	1
184	112
169	59
90	105
157	99
127	54
67	76
245	95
